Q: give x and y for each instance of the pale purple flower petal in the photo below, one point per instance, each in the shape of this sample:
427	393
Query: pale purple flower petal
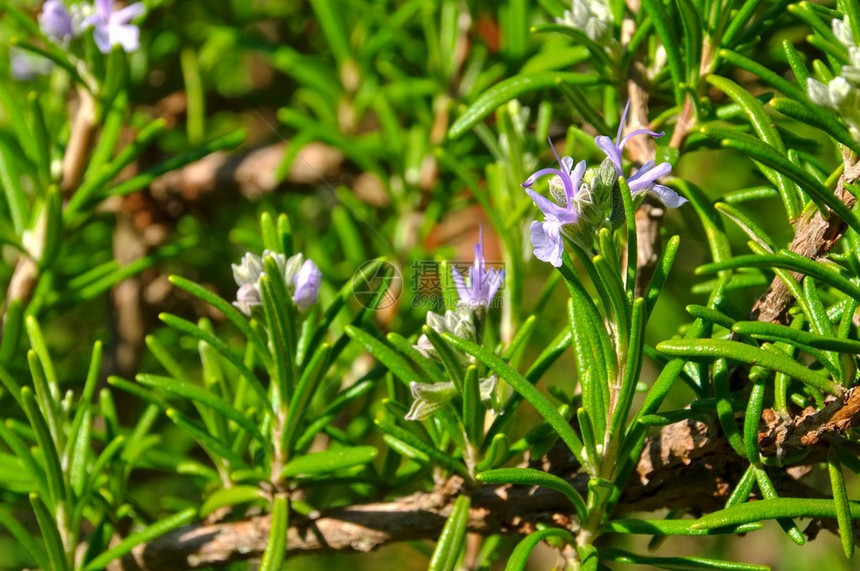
248	297
127	36
546	235
547	241
667	196
614	150
129	13
112	28
307	282
55	21
483	282
646	176
606	145
26	66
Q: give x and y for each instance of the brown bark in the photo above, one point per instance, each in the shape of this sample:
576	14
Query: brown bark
815	235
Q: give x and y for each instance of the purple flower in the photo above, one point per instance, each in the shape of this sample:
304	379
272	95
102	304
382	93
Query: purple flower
26	66
55	21
112	28
248	297
644	179
307	283
483	282
546	235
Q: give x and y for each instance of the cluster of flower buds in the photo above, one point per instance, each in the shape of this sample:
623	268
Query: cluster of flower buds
585	200
475	296
301	276
111	27
592	17
842	93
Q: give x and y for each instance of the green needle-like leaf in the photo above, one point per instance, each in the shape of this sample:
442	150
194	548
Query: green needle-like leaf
452	538
673	527
524	388
145	535
841	503
708	349
511	88
532	477
329	461
230	312
203	396
519	559
677	562
276	548
223	349
50	534
230	497
384	354
772	509
787	260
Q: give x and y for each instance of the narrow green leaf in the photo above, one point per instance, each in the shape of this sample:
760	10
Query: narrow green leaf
384	354
810	113
228	497
750	228
92	186
708	349
230	312
776	332
452	538
769	493
511	88
668	37
50	534
755	404
524	388
46	445
145	178
631	370
841	503
329	461
24	538
452	362
762	124
519	559
10	180
276	548
433	371
237	361
620	556
406	437
308	382
217	450
498	452
725	410
597	51
146	535
661	527
31	467
203	396
532	477
787	260
767	155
